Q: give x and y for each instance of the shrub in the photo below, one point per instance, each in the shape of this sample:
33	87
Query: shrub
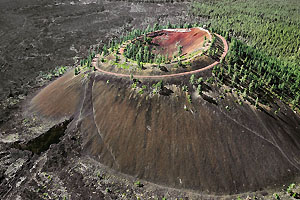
192	79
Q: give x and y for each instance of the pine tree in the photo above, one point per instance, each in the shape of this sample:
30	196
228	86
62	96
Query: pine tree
179	63
192	79
199	89
256	102
179	48
169	25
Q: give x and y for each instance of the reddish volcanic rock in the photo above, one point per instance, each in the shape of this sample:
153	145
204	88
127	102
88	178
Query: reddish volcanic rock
190	39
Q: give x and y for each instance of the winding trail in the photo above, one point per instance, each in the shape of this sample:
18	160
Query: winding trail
94	63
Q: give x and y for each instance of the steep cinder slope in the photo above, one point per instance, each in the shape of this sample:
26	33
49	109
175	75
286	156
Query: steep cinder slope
206	148
61	98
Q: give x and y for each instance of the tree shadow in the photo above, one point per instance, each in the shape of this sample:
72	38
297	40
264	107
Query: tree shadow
163	68
209	99
165	91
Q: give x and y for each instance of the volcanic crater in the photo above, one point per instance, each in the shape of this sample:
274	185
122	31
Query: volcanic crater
186	48
146	120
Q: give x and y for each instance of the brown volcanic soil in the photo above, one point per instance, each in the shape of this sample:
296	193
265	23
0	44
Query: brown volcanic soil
37	36
65	92
207	148
190	39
